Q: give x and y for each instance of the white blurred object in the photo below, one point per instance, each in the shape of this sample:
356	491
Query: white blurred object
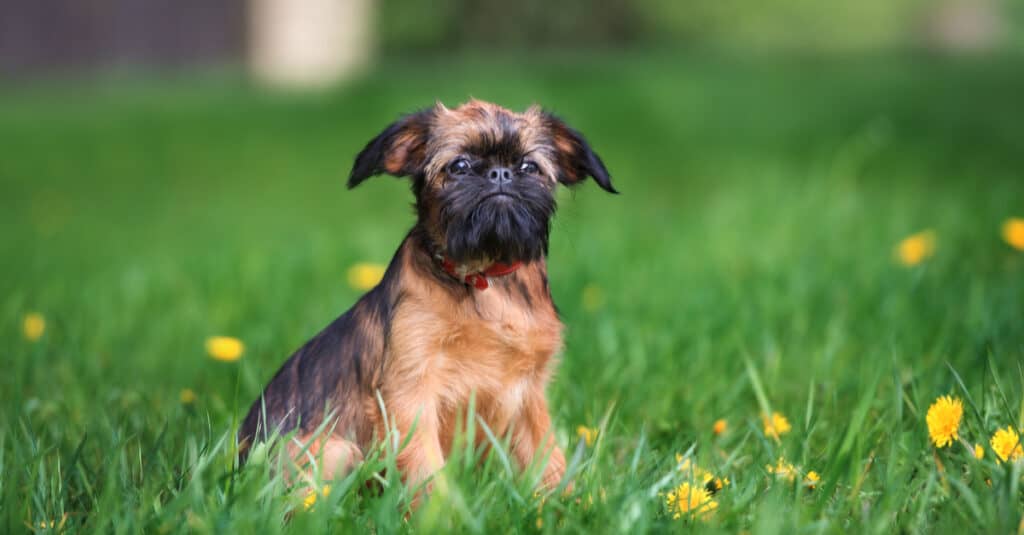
966	25
308	44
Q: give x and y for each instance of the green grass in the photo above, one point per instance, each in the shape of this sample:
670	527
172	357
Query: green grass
747	264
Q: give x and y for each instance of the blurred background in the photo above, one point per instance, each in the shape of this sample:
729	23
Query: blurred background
309	42
172	171
828	192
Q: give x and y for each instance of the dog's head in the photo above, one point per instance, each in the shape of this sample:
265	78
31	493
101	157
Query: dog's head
483	176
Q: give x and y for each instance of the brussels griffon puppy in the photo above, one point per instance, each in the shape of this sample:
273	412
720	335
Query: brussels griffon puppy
463	309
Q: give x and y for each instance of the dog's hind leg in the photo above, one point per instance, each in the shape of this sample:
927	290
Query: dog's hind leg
329	457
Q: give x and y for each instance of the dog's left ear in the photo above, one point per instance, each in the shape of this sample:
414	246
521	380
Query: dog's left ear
575	159
400	150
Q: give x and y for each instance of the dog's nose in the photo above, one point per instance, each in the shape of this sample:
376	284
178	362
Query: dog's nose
500	175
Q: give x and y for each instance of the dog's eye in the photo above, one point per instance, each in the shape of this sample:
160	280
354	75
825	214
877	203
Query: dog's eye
460	167
528	168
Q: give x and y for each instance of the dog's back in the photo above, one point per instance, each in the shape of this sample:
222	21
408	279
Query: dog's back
332	374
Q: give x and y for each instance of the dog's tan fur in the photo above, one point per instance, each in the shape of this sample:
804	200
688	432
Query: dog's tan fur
425	342
446	347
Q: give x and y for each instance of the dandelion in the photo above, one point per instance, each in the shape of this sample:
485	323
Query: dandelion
916	248
719	427
782	469
310	499
587	434
1013	232
224	348
593	298
187	396
944	420
811	480
1006	444
696	474
33	326
775	425
690	500
365	275
979	452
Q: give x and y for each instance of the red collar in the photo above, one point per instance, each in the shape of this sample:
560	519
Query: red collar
478	279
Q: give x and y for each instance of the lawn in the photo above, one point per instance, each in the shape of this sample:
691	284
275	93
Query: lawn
748	267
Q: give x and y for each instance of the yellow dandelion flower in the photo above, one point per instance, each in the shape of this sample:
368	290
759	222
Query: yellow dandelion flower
690	500
310	499
782	469
697	475
944	420
719	427
225	348
775	425
33	326
365	275
588	434
979	452
593	298
1013	232
187	396
1006	444
916	248
811	480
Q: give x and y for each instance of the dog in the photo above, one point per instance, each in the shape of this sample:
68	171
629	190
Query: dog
463	310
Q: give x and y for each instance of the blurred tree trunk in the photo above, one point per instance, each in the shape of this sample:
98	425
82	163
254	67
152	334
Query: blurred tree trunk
309	43
965	25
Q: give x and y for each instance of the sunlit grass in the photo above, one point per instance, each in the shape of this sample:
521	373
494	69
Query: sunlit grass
739	304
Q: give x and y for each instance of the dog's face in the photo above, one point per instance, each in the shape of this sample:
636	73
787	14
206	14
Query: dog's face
483	176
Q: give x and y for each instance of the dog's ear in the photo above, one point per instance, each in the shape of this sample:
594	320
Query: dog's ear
575	159
400	150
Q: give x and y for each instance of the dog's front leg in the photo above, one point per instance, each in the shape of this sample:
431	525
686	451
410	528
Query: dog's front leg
422	456
533	439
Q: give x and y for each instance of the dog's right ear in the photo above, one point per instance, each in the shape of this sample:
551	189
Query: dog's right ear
400	150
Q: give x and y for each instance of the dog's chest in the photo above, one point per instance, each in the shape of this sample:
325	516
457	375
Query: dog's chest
501	352
493	346
495	334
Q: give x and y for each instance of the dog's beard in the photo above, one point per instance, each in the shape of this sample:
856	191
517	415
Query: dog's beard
502	229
